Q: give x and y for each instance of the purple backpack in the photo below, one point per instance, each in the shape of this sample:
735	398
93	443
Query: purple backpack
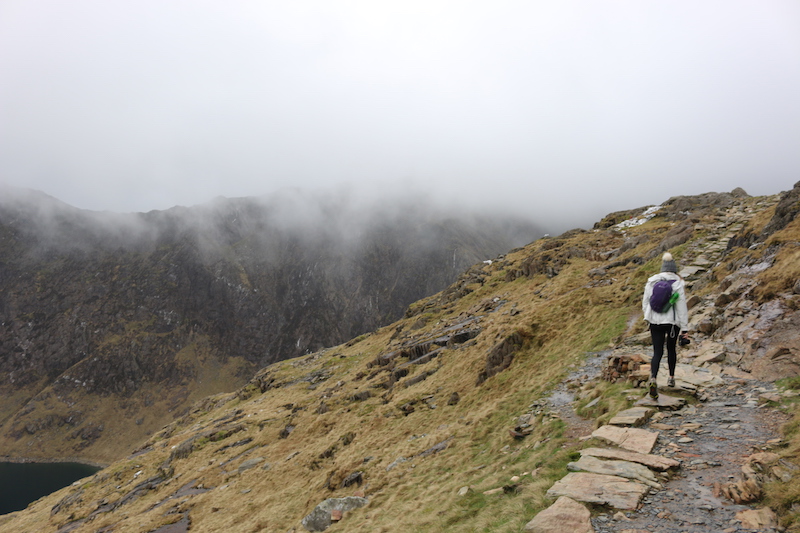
661	298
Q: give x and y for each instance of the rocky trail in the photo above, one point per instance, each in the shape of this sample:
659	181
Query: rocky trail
706	443
693	461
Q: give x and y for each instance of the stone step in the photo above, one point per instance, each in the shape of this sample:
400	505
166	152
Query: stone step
687	376
656	462
564	515
601	489
662	403
635	416
633	439
635	471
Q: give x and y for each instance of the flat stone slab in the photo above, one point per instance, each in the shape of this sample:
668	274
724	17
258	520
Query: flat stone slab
689	271
662	403
615	491
687	376
637	472
633	439
656	462
564	515
635	416
759	519
710	357
699	377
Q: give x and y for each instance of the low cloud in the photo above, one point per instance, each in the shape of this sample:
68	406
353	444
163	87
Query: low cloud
560	112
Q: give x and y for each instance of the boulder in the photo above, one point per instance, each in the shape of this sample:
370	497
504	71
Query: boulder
320	518
564	515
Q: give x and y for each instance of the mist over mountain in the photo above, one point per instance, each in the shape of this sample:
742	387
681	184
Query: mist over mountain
468	413
143	313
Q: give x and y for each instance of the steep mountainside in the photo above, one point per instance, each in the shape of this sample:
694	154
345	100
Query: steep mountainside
441	421
111	325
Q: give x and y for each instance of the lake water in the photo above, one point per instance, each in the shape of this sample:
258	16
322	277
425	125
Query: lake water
23	483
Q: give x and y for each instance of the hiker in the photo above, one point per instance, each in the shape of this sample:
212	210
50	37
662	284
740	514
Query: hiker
667	323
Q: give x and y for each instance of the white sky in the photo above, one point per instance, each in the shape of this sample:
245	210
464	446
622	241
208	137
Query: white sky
540	107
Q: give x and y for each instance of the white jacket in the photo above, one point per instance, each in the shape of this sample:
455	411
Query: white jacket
677	314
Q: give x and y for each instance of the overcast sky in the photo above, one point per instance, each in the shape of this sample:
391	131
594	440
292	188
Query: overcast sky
538	106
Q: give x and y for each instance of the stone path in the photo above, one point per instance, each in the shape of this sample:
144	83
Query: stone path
669	465
664	470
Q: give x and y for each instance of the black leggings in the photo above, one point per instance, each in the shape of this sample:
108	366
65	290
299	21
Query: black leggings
664	334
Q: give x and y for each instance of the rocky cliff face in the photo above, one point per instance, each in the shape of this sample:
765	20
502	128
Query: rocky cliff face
138	315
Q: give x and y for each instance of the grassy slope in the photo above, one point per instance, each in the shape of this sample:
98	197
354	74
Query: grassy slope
559	318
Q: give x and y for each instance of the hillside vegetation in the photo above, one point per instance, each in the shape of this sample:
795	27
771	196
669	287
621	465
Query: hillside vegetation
410	414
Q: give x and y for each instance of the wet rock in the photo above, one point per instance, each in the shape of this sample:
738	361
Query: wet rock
564	515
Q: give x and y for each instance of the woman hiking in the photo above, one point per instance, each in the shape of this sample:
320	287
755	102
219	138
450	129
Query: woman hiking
668	321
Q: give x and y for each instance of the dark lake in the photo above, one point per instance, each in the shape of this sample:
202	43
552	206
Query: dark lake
23	483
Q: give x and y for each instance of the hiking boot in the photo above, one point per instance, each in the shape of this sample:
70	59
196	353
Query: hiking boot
653	388
671	382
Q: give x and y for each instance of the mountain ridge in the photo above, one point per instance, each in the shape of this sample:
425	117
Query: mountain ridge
152	311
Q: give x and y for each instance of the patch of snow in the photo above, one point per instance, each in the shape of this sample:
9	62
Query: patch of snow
648	213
